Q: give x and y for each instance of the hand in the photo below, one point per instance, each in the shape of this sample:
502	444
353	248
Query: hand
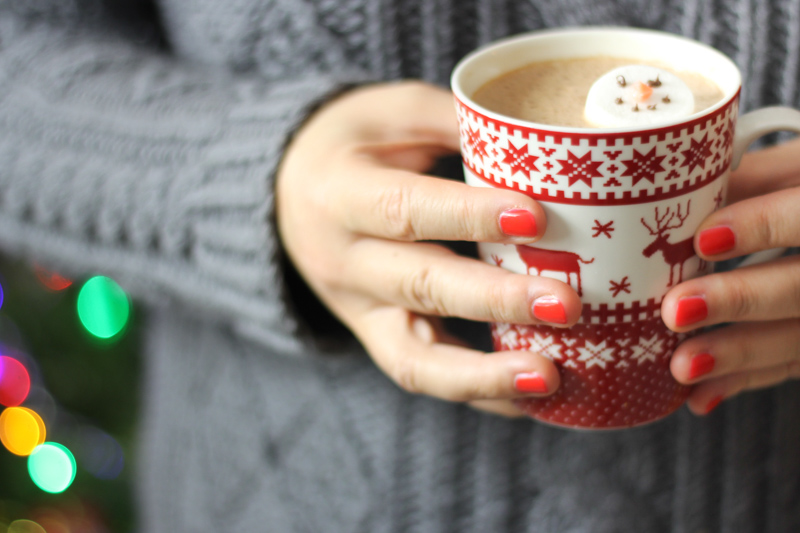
763	347
353	207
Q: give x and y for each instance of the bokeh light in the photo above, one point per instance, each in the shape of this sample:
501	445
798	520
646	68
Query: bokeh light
52	280
1	296
15	382
21	430
53	525
103	307
53	520
100	453
25	526
69	514
52	467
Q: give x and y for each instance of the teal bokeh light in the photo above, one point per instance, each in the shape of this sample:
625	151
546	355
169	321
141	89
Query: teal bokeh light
103	307
52	467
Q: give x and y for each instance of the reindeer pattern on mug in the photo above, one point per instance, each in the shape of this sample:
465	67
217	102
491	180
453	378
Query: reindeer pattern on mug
633	253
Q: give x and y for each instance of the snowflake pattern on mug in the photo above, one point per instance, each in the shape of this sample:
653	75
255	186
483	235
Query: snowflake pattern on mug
589	168
616	375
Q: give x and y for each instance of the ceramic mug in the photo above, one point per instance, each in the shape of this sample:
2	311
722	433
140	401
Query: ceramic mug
622	206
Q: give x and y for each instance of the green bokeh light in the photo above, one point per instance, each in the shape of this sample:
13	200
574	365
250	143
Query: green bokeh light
103	307
52	467
24	526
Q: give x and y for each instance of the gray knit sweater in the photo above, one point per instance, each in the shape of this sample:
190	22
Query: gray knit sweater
140	141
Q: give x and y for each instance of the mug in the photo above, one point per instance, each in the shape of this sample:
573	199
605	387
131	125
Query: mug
622	205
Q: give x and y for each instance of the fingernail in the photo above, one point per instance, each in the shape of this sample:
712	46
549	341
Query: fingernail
701	364
715	401
716	240
518	223
691	309
549	309
530	383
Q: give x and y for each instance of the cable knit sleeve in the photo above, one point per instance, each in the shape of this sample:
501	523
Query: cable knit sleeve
115	159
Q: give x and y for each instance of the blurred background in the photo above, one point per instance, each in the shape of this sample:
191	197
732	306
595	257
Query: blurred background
69	371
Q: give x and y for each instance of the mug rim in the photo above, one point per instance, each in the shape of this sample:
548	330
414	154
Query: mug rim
467	101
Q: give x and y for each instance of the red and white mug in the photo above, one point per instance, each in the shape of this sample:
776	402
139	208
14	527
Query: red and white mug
622	204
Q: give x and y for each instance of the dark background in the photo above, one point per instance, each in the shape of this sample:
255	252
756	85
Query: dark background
79	384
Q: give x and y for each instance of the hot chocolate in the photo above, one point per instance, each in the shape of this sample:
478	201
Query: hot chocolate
554	92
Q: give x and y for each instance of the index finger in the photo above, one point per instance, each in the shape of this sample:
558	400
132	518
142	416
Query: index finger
404	206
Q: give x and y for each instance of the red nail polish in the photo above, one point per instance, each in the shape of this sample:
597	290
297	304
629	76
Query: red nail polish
530	382
691	309
518	223
701	364
715	401
716	240
549	309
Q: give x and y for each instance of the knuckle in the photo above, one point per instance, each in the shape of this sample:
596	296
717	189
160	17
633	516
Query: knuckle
321	270
740	299
419	289
394	208
335	277
467	218
496	301
317	274
774	229
764	225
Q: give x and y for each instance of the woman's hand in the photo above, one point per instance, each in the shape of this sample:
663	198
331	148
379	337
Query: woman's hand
353	209
763	348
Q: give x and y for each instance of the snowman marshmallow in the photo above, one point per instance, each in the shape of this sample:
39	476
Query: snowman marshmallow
637	95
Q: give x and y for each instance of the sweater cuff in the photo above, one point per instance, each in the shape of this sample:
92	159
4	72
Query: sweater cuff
233	236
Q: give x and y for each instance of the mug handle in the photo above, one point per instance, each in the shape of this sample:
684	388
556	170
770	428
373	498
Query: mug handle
749	127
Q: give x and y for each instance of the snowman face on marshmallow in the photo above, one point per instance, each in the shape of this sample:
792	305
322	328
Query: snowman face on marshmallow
637	95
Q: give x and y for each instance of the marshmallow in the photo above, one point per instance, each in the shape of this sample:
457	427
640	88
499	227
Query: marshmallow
637	95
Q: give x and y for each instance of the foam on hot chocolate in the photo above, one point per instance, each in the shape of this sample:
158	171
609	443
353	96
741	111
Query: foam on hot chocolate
554	92
637	95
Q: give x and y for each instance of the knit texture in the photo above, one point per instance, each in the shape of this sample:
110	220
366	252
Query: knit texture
121	160
143	143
